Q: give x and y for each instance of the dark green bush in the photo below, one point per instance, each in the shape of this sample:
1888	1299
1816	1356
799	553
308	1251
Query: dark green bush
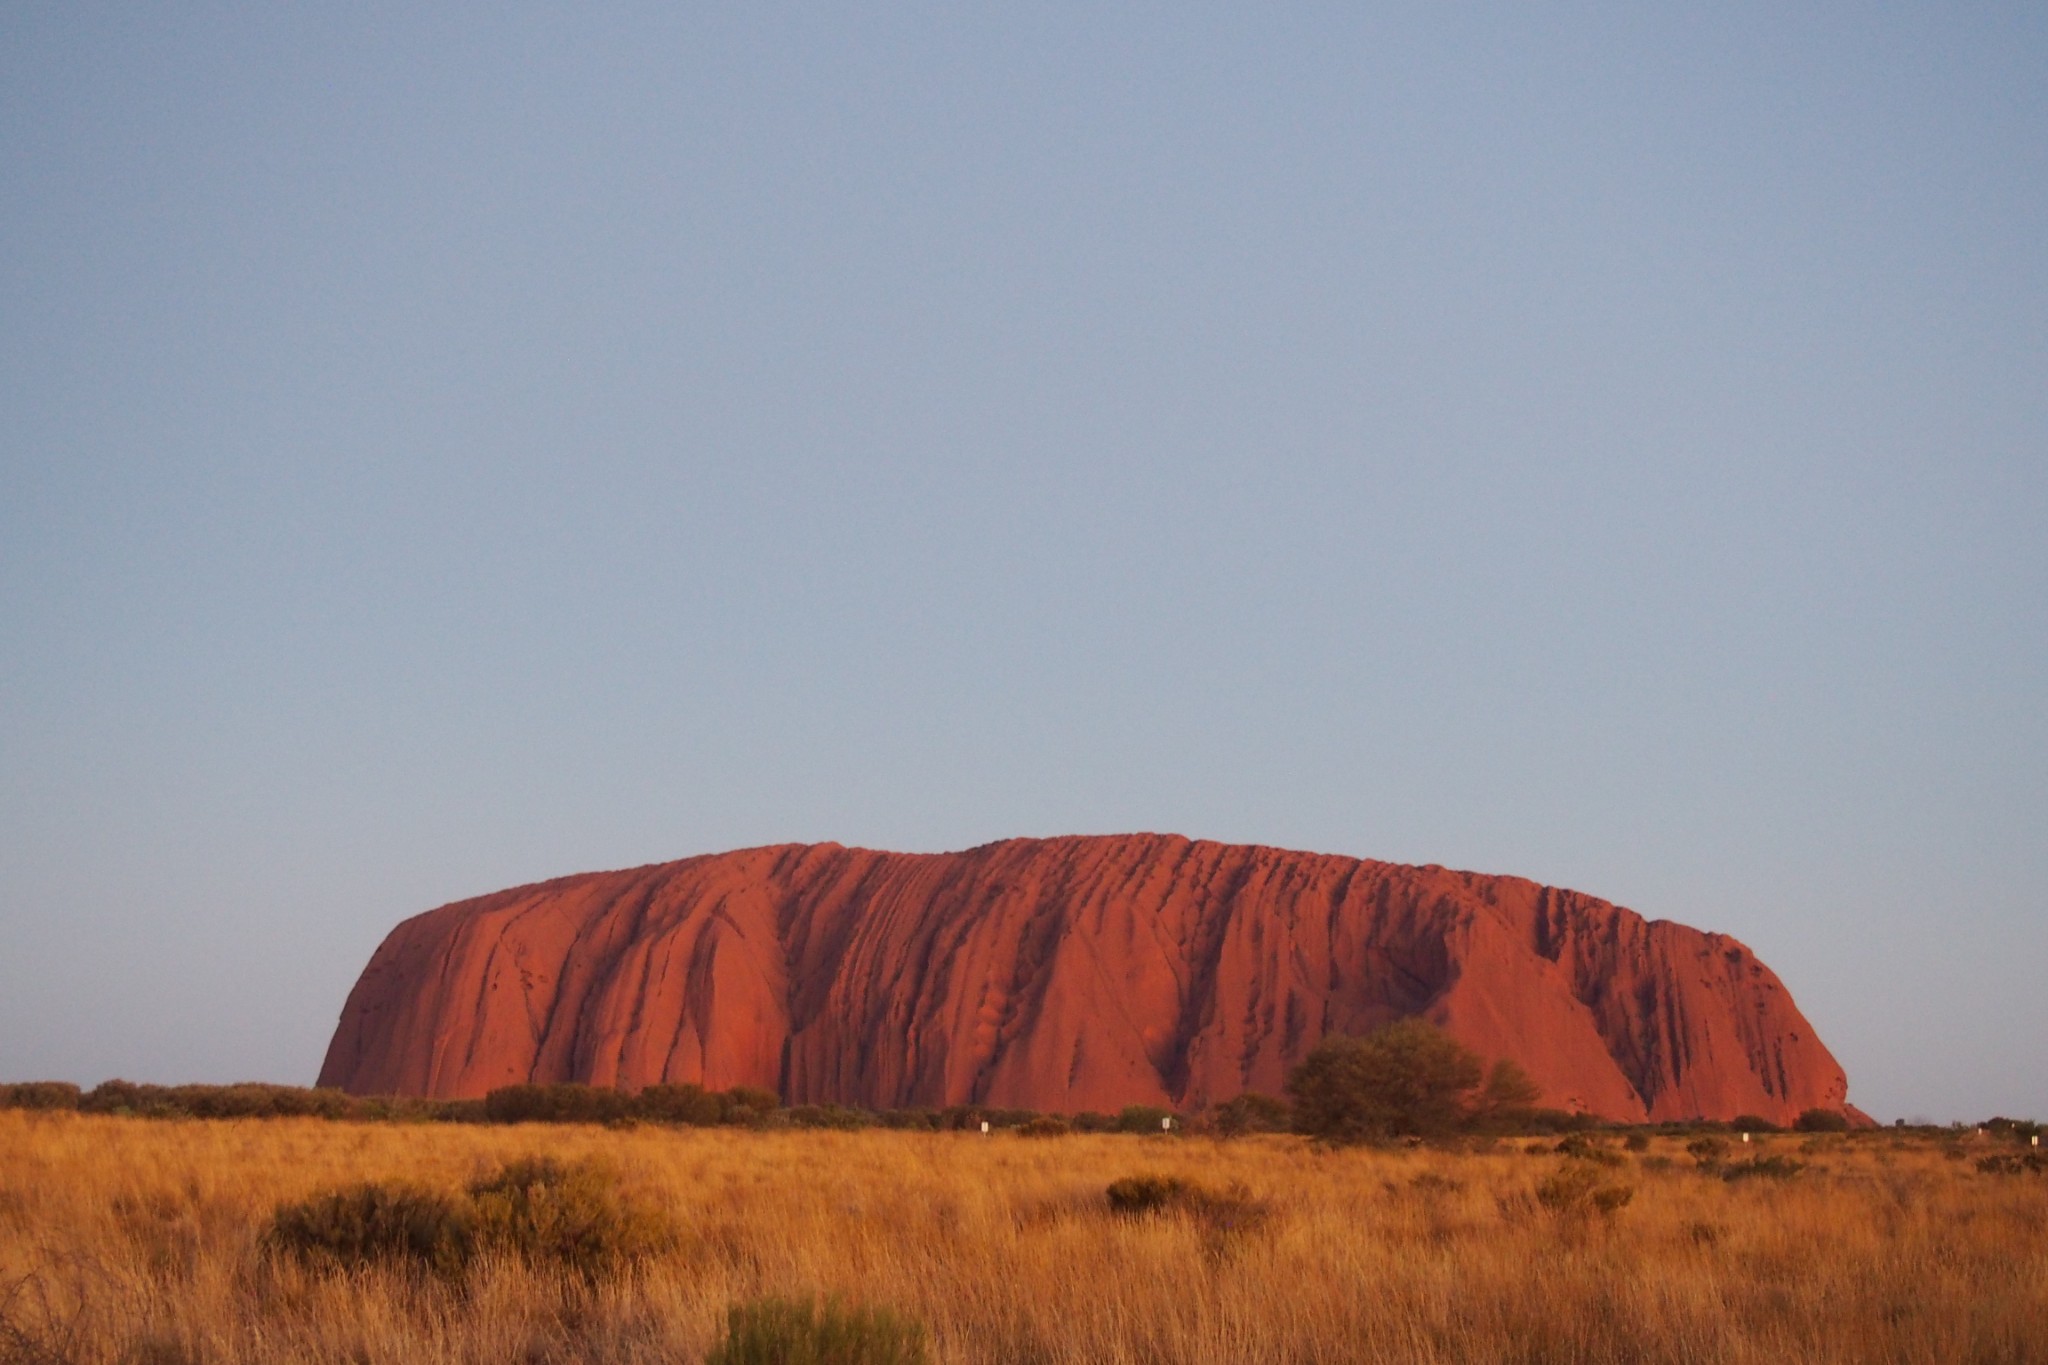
1751	1123
565	1103
538	1209
371	1224
748	1105
1250	1112
1765	1168
508	1104
39	1095
685	1104
248	1099
1044	1126
2014	1163
126	1097
1579	1147
1145	1118
571	1214
802	1332
1822	1121
1221	1216
968	1118
830	1116
1576	1191
1135	1195
1708	1152
742	1106
253	1100
1551	1121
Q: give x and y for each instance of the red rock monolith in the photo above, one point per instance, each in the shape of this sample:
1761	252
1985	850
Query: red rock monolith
1062	975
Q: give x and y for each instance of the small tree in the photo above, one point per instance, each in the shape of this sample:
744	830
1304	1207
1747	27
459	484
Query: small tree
1822	1121
1406	1079
1509	1096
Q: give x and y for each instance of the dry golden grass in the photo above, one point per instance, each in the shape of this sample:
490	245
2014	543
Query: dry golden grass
129	1240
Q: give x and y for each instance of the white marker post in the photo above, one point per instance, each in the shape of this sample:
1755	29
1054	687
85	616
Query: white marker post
1745	1137
2037	1139
984	1125
1166	1125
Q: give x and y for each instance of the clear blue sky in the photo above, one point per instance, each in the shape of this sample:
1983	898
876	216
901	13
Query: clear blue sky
1607	444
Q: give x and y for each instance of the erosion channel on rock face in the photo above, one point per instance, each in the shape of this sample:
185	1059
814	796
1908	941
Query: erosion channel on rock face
1062	975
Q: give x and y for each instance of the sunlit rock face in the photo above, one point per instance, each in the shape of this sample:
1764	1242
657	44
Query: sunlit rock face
1061	975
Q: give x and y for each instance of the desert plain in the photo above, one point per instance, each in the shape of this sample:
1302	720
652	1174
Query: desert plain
148	1241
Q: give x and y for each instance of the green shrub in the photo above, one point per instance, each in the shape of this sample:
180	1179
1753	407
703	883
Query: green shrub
800	1332
1611	1199
1579	1147
1708	1152
1637	1142
1752	1123
1822	1121
830	1116
1576	1191
557	1104
248	1099
692	1105
372	1224
748	1106
126	1097
252	1100
1764	1167
1135	1195
1044	1126
572	1214
1250	1112
1540	1120
1220	1216
538	1209
39	1095
2013	1163
1145	1118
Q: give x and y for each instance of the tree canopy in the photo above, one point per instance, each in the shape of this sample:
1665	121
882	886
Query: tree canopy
1408	1078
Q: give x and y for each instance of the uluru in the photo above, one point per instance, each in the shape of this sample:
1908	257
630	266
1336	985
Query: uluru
1064	974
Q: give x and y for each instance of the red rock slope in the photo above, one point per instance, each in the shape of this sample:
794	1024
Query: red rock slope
1063	974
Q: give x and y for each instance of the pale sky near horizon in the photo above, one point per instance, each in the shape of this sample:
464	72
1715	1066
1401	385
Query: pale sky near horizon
442	450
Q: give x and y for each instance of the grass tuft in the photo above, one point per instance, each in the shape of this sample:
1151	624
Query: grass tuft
372	1224
779	1331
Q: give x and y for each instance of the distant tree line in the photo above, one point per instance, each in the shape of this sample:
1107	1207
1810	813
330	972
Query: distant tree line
1407	1081
674	1105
